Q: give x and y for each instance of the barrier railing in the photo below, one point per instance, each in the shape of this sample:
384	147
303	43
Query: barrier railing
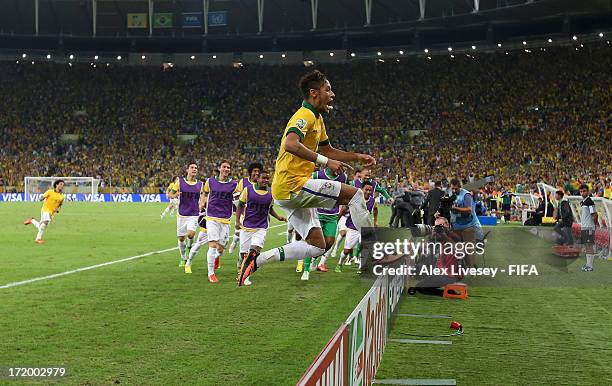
359	343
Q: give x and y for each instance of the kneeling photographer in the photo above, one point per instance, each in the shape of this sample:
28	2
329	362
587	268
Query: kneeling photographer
464	219
443	258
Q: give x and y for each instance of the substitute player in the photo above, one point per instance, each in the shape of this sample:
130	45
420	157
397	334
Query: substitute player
588	219
353	236
254	169
293	188
256	204
190	201
52	201
218	197
173	205
329	224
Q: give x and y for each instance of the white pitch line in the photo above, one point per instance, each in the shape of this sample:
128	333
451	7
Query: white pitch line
415	382
419	341
18	283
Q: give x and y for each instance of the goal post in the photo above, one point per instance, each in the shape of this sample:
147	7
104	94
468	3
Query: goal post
35	186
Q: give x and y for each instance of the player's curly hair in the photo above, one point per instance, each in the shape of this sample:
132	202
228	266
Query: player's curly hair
57	182
312	80
255	165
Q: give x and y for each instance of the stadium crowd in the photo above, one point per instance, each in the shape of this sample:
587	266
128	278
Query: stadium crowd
526	117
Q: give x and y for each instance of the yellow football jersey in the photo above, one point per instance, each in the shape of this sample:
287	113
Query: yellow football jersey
292	172
240	186
173	186
52	202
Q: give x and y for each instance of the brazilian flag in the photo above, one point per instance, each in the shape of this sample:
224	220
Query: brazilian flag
162	20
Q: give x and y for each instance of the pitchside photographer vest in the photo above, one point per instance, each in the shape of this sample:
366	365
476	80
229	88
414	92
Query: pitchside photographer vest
465	220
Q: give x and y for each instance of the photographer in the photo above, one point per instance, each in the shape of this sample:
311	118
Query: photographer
432	202
440	233
465	221
565	219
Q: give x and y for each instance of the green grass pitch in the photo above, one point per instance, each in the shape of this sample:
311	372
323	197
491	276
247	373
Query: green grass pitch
146	322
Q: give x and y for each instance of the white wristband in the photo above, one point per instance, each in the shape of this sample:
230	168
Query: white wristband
321	160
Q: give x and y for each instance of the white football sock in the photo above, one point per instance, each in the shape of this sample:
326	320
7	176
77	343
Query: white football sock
188	242
181	245
289	236
211	255
325	256
359	211
194	251
36	223
342	257
589	258
235	241
295	250
338	242
41	231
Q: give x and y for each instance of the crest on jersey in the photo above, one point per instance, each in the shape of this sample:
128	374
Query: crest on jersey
301	123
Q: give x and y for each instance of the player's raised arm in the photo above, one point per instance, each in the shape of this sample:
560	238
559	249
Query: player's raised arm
294	146
346	156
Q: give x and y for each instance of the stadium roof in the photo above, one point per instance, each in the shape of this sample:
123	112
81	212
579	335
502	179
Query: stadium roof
276	25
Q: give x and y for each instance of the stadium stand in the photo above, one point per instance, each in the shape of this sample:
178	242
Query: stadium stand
527	117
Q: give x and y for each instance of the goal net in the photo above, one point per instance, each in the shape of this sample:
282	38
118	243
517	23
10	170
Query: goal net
36	186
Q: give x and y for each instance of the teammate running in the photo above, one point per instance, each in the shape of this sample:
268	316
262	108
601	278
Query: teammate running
255	204
218	198
189	193
254	169
53	200
173	204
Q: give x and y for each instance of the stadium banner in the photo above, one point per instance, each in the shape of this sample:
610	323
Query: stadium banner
330	367
367	331
137	20
88	197
191	19
217	19
162	20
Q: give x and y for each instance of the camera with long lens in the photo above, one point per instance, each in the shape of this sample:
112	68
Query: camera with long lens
446	203
422	230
